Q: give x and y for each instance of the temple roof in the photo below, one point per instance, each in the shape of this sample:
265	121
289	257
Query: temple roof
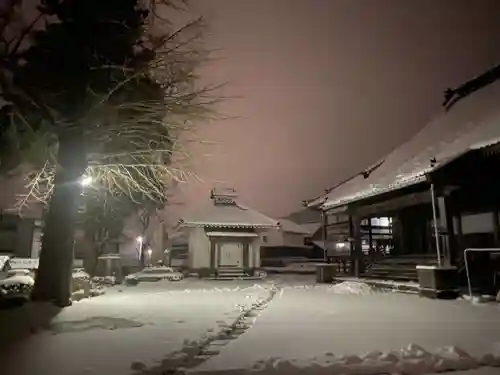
226	212
291	227
472	123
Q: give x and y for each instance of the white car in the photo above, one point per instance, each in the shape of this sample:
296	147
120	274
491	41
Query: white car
153	274
15	289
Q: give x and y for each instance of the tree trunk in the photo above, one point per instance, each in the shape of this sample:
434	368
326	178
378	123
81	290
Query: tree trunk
90	252
53	280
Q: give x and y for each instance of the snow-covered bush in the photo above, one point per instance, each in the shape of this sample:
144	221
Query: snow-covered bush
85	286
81	274
104	280
80	280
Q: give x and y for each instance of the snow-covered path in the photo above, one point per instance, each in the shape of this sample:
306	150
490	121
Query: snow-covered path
305	325
140	330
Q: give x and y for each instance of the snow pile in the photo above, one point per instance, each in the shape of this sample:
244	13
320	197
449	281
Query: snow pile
81	294
412	360
476	300
80	274
18	272
351	287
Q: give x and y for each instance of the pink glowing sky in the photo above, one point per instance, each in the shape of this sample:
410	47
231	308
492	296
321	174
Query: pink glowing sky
327	87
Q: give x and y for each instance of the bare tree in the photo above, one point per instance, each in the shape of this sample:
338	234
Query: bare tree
105	92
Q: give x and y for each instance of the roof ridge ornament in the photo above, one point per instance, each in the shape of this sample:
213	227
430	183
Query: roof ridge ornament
223	196
452	96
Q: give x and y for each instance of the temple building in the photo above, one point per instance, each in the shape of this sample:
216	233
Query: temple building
224	239
429	200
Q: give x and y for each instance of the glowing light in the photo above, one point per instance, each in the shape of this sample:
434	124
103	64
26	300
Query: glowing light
86	181
140	239
150	252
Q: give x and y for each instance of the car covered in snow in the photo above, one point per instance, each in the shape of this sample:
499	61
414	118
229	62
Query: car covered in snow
15	289
153	274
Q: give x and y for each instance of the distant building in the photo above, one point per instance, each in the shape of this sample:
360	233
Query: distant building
297	236
225	237
20	237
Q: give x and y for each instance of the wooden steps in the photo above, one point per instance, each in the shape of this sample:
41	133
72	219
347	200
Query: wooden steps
230	273
400	268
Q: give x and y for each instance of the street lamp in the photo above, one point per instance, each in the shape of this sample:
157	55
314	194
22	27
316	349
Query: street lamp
150	253
140	241
86	181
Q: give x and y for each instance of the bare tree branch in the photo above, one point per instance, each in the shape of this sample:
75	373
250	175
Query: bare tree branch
133	131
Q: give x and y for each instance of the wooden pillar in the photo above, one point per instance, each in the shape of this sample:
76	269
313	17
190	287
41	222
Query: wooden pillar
246	254
213	246
459	237
370	235
445	223
356	248
324	223
451	209
397	234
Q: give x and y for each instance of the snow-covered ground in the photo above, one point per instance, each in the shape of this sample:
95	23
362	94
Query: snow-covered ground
349	329
239	327
133	331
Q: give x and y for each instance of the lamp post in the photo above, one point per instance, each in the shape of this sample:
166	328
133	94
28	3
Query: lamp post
150	253
140	241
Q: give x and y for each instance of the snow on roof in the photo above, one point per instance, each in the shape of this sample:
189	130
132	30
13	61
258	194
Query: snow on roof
229	216
473	123
316	202
232	234
311	228
291	227
305	216
24	263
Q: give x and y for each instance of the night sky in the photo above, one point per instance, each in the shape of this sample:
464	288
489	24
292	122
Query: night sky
326	87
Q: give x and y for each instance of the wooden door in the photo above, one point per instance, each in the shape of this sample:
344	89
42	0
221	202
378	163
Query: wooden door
231	254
